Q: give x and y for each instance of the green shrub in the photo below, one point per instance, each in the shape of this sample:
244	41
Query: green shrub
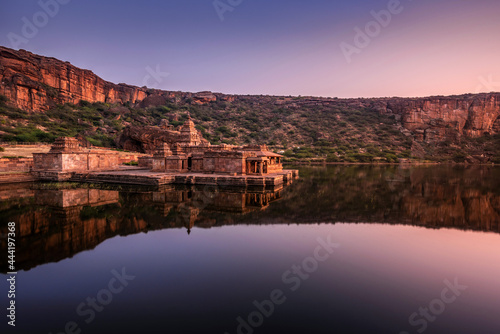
332	158
131	163
304	155
95	142
459	157
226	132
176	123
360	157
84	103
51	92
405	154
322	142
101	140
390	157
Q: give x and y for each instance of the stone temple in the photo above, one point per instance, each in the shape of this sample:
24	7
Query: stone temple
193	155
190	159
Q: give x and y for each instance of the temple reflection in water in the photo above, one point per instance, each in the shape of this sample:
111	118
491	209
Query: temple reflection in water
54	224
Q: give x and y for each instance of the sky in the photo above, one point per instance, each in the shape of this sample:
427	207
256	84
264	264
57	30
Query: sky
346	49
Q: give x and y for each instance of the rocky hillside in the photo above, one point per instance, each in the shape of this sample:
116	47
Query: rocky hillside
37	83
45	97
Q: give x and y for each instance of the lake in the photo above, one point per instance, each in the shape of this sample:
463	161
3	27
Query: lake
343	249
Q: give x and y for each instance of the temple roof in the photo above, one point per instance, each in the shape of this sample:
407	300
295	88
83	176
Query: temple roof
188	125
268	154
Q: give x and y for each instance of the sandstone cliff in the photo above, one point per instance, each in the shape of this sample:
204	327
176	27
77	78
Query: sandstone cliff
35	83
436	118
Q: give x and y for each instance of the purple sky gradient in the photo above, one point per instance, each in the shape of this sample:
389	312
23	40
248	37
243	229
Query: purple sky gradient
272	47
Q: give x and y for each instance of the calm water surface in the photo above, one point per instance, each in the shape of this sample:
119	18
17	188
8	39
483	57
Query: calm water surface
354	249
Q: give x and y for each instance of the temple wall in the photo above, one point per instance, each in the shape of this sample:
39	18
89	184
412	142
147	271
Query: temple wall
145	161
16	164
75	162
174	163
209	165
159	164
103	161
47	161
224	162
274	168
230	165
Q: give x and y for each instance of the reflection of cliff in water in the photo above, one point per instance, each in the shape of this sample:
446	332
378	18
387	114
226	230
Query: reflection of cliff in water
57	224
435	196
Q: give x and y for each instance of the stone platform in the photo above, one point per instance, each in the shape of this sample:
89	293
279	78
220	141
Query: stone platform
139	176
16	178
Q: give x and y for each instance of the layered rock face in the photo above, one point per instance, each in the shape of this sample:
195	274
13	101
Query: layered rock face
146	139
436	118
36	83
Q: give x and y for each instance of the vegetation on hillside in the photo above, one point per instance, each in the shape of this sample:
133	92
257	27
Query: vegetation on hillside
326	133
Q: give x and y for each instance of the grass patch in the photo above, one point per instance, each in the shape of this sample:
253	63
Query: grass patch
131	163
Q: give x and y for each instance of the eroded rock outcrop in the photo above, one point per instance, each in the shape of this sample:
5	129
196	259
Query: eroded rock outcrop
146	139
204	97
35	83
438	118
